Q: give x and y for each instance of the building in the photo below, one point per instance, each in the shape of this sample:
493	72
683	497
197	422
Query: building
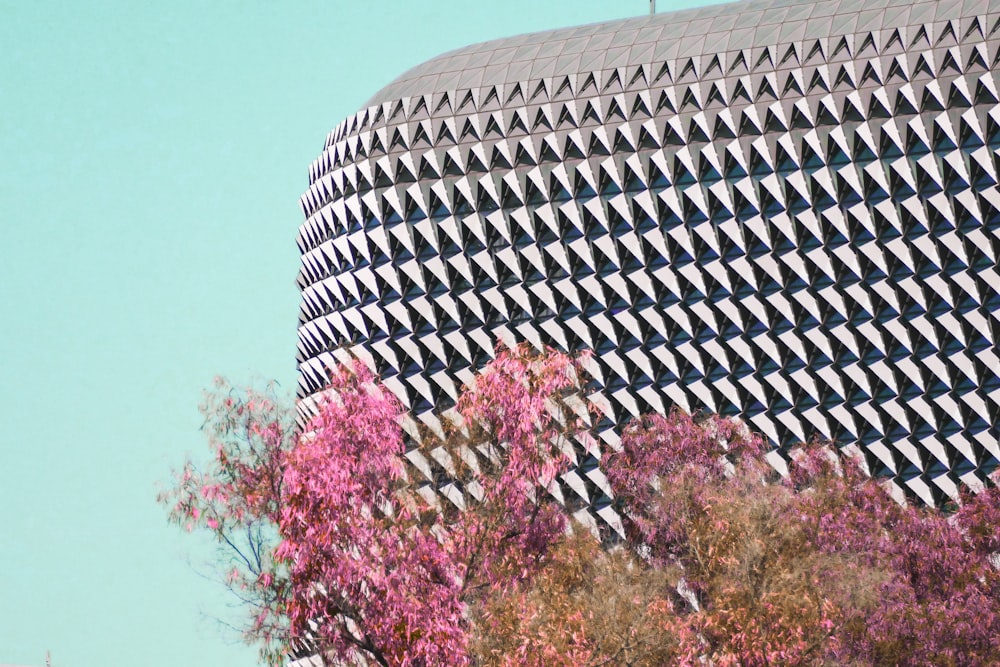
786	211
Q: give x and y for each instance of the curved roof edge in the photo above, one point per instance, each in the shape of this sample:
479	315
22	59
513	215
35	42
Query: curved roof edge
670	35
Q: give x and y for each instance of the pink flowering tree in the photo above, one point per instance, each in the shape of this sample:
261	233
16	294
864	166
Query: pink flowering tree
520	416
331	538
382	573
820	567
938	591
236	498
678	453
368	578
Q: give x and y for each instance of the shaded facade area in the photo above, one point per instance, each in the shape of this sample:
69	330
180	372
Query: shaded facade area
782	211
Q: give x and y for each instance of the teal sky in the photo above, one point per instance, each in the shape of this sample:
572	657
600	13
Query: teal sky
151	160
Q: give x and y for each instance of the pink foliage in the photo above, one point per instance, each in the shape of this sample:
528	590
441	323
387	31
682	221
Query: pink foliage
236	498
514	401
893	584
656	449
940	597
374	569
364	578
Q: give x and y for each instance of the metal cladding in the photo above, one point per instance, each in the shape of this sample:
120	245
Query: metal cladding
784	211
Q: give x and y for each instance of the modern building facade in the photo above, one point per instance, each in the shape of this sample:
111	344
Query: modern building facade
785	211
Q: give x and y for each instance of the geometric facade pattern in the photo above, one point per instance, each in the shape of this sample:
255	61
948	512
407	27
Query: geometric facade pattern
783	211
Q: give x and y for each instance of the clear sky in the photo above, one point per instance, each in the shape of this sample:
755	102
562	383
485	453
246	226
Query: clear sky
151	159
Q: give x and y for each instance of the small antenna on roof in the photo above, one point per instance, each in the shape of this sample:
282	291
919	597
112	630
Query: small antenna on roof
652	7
